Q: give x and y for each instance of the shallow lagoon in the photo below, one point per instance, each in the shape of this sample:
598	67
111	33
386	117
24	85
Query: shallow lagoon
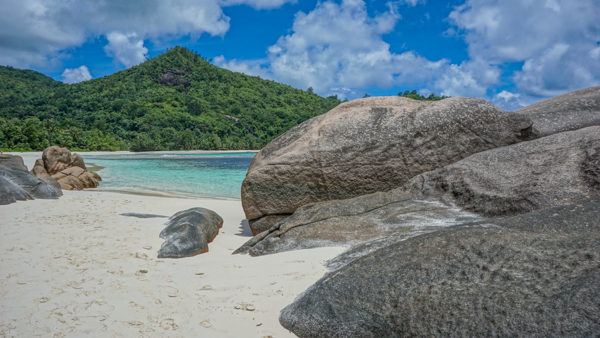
210	174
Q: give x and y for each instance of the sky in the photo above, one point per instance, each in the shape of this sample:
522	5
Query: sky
511	52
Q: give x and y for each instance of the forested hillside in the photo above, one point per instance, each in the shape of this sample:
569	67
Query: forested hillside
175	101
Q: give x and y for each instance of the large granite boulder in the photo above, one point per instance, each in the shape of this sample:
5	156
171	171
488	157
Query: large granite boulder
566	112
555	170
17	184
534	274
188	233
58	166
370	145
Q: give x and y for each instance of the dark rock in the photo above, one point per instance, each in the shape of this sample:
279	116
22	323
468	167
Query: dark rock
370	145
534	274
188	233
12	162
551	171
11	192
18	184
174	78
556	170
571	111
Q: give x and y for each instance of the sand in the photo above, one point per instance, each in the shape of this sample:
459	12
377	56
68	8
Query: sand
75	267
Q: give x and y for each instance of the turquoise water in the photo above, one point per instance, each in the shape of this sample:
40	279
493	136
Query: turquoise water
199	175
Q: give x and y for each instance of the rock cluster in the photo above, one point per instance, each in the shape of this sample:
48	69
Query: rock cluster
58	166
188	233
17	184
465	221
370	145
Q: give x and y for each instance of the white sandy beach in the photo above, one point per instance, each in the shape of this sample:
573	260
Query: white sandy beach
75	267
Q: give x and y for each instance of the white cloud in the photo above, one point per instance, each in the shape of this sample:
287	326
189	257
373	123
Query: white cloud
260	4
555	39
36	32
128	49
337	48
413	3
75	75
471	78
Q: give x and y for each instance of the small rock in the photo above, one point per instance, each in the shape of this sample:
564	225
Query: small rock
205	323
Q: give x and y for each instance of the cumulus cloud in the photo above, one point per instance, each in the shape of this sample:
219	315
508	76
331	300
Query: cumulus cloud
75	75
260	4
555	40
128	49
38	31
338	48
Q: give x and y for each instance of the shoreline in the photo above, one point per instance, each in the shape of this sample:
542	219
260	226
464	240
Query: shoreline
166	194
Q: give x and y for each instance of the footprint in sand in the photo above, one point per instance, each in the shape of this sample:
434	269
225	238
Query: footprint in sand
135	323
168	324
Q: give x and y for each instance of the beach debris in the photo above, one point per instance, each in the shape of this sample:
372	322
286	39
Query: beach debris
141	272
245	307
188	233
147	247
141	255
205	323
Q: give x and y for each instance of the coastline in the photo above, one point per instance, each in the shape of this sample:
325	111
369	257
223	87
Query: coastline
29	157
76	265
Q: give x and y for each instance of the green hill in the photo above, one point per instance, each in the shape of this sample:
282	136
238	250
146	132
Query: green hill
175	101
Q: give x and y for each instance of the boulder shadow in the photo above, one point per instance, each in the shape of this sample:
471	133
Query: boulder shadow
244	229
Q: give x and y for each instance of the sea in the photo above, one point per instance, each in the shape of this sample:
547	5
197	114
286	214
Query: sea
202	174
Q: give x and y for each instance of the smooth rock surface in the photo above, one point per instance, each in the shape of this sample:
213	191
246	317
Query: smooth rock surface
571	111
551	171
370	145
534	274
188	233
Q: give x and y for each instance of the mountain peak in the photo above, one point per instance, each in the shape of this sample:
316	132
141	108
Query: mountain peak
180	54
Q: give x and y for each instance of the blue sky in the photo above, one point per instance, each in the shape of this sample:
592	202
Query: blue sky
512	52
